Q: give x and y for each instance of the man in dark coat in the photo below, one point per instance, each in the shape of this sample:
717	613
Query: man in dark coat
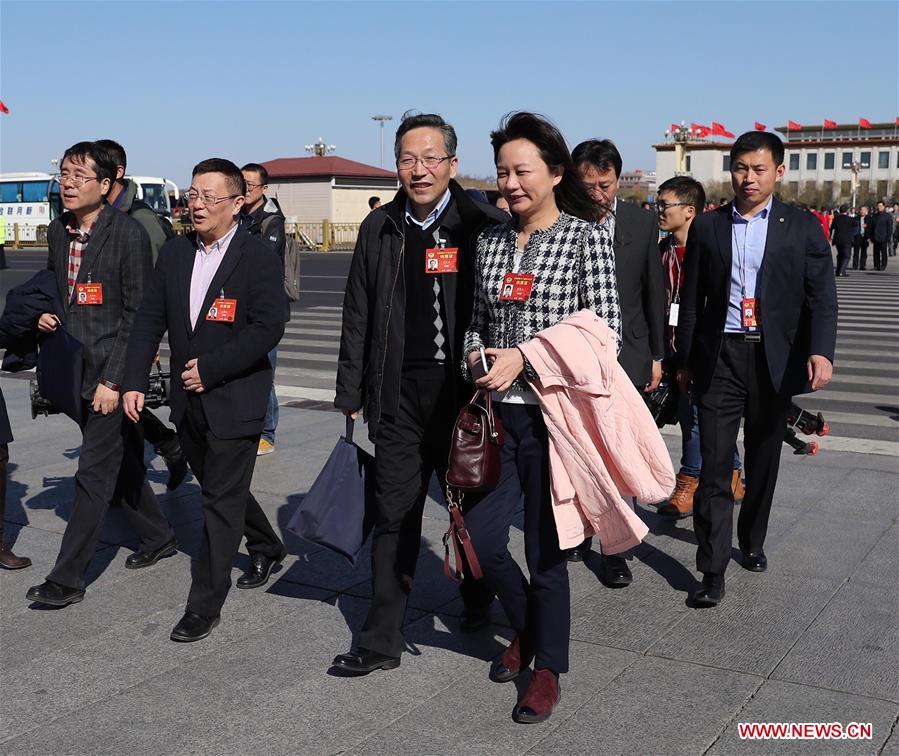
842	231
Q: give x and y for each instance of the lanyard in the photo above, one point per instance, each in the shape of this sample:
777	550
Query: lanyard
741	254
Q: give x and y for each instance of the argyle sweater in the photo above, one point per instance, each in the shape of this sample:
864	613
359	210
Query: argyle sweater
573	264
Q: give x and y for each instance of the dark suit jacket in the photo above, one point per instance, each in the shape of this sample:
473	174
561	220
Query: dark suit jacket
796	293
118	257
882	227
641	291
856	227
843	229
232	357
5	430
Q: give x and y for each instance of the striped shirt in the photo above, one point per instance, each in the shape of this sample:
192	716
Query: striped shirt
78	239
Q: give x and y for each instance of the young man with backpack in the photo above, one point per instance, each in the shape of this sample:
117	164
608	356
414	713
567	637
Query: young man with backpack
123	196
261	217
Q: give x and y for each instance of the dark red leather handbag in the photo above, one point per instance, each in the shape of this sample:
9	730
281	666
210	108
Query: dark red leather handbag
474	465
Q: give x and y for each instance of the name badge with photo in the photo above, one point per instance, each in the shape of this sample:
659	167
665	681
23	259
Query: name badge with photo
516	287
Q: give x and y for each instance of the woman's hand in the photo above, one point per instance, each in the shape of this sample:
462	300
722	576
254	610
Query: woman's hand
507	366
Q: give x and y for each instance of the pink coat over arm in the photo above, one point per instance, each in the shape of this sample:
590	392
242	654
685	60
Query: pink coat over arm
604	446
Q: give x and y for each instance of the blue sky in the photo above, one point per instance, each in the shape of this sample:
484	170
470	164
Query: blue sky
179	82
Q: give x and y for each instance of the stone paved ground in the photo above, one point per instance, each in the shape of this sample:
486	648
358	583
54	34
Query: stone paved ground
813	639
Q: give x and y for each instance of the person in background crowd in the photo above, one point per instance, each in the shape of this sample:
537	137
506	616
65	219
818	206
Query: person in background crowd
823	216
755	256
123	196
646	206
374	203
882	227
681	200
102	261
219	293
261	217
895	242
842	231
401	342
502	204
861	237
641	293
554	239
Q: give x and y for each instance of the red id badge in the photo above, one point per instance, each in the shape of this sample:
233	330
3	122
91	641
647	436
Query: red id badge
516	287
222	310
89	294
749	310
444	260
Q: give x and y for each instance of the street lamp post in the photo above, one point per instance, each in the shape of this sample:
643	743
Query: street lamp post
320	149
680	135
856	166
380	119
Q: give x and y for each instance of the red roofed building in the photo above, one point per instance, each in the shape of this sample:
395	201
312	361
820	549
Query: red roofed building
311	189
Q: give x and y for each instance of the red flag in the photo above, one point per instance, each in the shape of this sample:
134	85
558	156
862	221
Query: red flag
828	124
4	109
762	127
864	123
719	130
700	130
793	126
897	120
674	128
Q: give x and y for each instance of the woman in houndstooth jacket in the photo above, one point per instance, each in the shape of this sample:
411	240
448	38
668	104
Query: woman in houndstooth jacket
557	262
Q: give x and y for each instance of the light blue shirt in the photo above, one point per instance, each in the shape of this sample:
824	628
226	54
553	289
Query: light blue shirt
432	216
748	239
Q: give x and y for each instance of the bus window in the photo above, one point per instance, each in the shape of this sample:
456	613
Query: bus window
155	196
9	191
34	191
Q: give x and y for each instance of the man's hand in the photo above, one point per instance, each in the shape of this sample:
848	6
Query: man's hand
656	377
48	323
191	377
133	405
352	414
684	379
820	371
507	366
105	400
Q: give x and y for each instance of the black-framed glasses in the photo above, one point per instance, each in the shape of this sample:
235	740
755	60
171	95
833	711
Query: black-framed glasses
209	199
661	207
408	163
251	185
76	179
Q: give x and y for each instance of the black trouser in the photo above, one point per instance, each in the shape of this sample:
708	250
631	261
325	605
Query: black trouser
156	432
740	388
111	462
880	255
539	609
859	253
844	251
4	458
224	469
409	448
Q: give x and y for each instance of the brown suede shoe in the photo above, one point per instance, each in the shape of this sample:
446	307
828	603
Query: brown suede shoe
541	698
737	487
10	561
508	665
681	502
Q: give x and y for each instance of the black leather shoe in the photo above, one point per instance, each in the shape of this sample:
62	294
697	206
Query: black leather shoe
579	553
193	627
474	618
712	590
361	661
614	572
261	568
148	558
755	561
54	594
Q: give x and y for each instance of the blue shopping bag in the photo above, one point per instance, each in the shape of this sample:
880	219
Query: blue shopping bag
338	510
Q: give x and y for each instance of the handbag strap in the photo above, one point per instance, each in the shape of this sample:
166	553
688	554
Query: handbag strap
457	534
488	410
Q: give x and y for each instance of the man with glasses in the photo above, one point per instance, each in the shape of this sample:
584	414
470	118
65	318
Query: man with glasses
262	218
101	259
641	293
400	357
220	295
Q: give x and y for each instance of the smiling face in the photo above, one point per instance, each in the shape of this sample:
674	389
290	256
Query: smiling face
425	187
753	176
525	180
213	220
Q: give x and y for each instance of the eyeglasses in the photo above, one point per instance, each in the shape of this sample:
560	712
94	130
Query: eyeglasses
661	207
76	179
408	163
251	186
209	199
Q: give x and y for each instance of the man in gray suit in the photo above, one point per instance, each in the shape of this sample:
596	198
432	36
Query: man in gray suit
101	258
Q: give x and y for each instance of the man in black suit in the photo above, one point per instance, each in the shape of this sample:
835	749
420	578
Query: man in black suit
758	323
881	233
842	231
8	559
861	237
220	295
641	293
101	259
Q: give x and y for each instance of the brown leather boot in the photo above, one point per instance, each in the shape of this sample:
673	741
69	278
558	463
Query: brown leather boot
10	561
737	487
509	664
680	504
541	698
